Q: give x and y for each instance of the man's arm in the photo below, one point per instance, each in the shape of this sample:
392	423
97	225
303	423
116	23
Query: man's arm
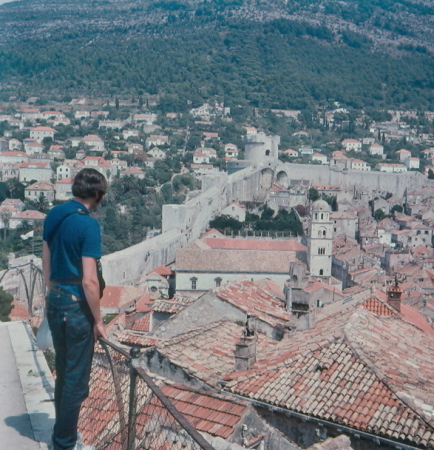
91	290
46	264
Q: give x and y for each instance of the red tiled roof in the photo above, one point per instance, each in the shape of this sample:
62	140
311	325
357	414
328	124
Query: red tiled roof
208	413
18	311
356	369
142	324
208	352
410	315
255	244
29	214
169	306
144	303
378	307
250	298
117	296
162	270
138	340
43	129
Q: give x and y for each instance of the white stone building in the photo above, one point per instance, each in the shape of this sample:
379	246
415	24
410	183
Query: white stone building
391	168
358	164
35	171
352	144
64	189
40	133
319	158
35	190
412	163
376	149
236	211
94	142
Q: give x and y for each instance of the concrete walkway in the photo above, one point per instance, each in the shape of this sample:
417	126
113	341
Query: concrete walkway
26	391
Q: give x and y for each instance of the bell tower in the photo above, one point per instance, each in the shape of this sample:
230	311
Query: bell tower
320	240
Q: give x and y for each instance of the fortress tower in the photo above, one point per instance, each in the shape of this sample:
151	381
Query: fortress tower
320	240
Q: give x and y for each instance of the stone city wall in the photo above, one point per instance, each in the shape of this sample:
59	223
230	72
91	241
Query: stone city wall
184	223
181	224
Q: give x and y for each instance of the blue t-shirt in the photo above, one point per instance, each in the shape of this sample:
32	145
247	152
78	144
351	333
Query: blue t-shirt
79	235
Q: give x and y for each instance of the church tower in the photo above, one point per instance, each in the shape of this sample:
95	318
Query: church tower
320	240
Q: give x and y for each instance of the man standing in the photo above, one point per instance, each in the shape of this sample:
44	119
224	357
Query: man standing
71	248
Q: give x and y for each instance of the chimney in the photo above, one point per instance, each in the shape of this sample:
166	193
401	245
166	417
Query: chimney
130	316
394	296
245	349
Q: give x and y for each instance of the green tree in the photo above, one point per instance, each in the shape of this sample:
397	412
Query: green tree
6	300
430	174
225	223
396	208
379	215
313	194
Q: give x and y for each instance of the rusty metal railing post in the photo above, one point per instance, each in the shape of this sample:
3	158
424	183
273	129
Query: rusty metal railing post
132	410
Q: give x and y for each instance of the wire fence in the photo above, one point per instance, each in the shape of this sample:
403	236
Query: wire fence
126	410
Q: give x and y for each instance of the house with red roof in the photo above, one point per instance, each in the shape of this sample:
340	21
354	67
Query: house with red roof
352	144
231	150
235	210
366	372
319	158
234	300
223	420
212	262
93	142
35	190
29	216
376	149
40	133
29	171
133	171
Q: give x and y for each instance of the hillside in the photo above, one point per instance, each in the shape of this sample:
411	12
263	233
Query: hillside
266	53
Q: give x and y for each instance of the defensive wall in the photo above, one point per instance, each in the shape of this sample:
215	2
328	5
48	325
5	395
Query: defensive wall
371	181
185	223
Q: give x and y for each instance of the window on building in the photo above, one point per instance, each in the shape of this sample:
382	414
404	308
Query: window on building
321	272
193	283
218	282
324	233
322	216
267	153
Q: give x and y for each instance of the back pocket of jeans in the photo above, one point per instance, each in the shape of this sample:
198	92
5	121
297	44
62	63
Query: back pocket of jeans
77	325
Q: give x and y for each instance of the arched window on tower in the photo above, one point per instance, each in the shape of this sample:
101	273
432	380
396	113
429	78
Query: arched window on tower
322	216
267	153
324	232
321	272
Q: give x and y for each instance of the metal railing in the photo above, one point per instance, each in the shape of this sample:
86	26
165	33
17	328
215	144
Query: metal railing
126	410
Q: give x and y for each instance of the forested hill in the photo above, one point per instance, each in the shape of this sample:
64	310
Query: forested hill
280	54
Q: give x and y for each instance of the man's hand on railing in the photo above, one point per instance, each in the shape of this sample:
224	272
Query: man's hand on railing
99	331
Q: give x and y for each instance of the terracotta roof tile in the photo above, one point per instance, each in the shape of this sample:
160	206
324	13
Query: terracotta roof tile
249	297
142	324
371	373
208	352
254	244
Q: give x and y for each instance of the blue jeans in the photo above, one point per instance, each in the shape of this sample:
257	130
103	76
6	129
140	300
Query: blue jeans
71	324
